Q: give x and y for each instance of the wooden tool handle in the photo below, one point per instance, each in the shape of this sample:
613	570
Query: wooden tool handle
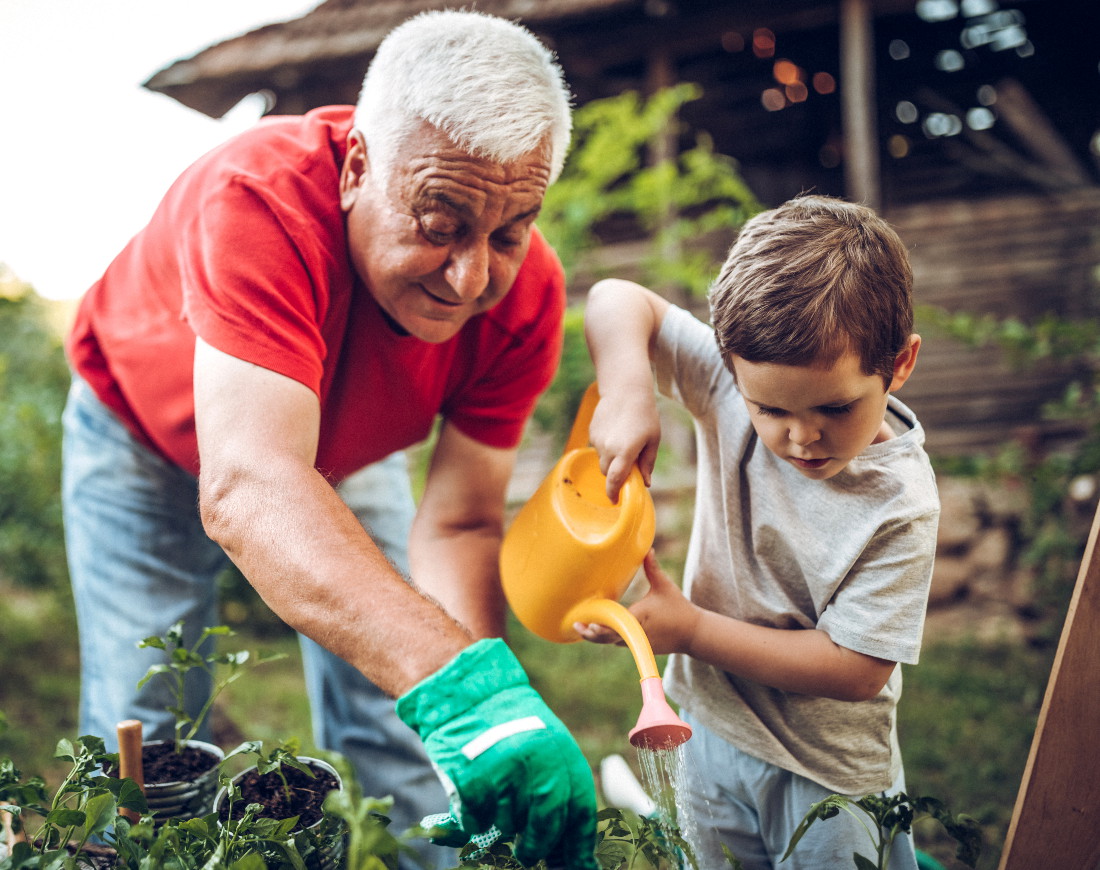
129	758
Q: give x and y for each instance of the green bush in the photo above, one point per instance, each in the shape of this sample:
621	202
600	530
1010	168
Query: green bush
34	379
676	203
1053	529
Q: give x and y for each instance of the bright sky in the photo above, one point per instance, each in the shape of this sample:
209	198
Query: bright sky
85	151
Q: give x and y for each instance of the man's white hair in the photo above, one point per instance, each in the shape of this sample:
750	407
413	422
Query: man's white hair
488	84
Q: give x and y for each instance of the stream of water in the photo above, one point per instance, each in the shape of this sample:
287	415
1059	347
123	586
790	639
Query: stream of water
665	779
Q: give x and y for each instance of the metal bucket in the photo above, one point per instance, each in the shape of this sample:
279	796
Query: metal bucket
185	799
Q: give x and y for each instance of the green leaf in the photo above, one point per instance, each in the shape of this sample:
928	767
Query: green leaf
250	861
823	809
130	796
100	812
862	863
66	818
152	672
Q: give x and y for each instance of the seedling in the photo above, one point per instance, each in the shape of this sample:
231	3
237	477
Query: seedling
223	669
285	753
625	840
86	804
370	844
885	817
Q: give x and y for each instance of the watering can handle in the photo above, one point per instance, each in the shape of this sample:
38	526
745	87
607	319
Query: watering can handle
578	435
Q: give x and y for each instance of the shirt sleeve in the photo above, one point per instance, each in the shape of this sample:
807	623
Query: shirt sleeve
687	365
255	280
879	608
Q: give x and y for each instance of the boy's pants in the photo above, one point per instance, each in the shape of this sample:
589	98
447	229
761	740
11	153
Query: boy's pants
754	807
139	560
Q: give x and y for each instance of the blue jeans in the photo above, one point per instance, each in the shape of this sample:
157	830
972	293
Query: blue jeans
139	561
754	807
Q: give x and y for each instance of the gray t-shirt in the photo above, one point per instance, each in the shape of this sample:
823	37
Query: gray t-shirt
851	555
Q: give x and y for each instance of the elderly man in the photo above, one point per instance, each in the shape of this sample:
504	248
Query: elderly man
308	300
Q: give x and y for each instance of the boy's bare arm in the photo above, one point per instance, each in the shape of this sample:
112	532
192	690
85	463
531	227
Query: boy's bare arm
794	660
806	661
622	320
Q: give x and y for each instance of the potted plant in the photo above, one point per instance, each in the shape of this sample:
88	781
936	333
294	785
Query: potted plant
181	775
84	807
283	792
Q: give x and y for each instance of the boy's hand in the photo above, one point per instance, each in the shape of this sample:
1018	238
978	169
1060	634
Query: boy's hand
626	431
665	614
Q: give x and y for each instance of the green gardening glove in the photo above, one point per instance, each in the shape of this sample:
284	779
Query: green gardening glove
504	758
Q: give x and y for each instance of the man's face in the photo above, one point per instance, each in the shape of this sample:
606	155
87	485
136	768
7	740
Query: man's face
817	418
443	237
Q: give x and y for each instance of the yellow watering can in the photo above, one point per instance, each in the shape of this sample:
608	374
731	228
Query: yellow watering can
569	556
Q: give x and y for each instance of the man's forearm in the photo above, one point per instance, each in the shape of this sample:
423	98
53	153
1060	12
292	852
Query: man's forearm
460	569
315	566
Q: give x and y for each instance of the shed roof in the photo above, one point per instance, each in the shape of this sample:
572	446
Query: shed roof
217	78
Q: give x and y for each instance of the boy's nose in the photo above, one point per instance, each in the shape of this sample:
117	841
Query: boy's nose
804	434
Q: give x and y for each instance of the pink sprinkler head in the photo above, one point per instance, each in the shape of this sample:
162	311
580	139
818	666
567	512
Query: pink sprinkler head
658	725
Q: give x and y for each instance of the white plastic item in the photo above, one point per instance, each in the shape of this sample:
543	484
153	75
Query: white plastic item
621	788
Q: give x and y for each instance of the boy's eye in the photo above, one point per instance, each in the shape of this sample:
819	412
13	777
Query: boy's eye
765	411
836	410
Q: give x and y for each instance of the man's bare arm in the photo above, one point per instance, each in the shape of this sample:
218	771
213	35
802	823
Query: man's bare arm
291	535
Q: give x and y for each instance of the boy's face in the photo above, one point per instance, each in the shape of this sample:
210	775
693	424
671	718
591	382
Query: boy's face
818	418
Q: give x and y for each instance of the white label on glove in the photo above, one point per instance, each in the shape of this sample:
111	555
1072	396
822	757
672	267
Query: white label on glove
494	735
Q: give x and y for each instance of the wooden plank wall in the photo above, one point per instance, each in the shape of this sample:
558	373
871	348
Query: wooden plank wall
1020	256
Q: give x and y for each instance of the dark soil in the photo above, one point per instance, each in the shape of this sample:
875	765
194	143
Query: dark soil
307	794
161	763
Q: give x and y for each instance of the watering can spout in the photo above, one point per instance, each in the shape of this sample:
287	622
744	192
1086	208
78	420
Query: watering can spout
658	725
569	556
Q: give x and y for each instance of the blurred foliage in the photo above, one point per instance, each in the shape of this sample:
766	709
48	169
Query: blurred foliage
34	379
1054	529
558	406
675	200
965	722
675	203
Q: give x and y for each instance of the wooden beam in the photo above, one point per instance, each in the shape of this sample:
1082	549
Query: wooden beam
857	95
1032	126
1056	820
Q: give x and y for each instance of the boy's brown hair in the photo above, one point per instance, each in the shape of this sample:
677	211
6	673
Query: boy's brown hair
808	280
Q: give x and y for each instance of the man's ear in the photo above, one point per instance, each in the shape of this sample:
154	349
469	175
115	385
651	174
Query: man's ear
355	168
904	363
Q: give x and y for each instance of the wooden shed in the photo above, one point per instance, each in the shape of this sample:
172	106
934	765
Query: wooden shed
974	125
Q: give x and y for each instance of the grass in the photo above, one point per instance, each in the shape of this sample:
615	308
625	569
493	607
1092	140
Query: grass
965	723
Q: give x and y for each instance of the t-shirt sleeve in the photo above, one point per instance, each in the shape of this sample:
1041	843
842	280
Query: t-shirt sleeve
879	608
250	280
687	365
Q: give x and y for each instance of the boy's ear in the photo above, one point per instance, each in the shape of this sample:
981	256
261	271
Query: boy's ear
904	363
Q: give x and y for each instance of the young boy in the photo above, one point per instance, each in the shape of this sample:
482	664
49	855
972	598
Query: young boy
807	574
